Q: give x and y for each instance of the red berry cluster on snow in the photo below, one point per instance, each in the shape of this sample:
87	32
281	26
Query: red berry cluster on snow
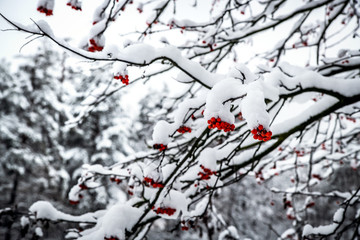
205	175
217	123
299	153
124	79
290	216
94	46
74	6
259	176
169	211
317	176
115	179
351	119
171	24
184	129
111	238
72	202
287	203
83	186
240	117
160	146
48	12
152	183
130	190
260	133
310	204
183	226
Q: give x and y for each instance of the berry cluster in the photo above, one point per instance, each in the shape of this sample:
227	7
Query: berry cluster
169	211
317	176
300	153
152	183
260	133
75	6
130	190
210	45
259	176
94	46
290	217
240	117
72	202
48	12
160	146
287	204
150	23
124	79
205	175
111	238
184	129
171	24
351	119
83	186
115	179
183	226
186	225
310	204
217	123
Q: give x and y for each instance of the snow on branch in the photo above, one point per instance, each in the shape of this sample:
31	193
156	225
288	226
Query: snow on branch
43	210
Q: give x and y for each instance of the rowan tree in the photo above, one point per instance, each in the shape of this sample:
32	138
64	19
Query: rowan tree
245	112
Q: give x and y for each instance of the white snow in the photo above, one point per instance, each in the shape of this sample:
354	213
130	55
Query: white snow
162	131
39	232
113	223
338	216
325	229
45	210
24	221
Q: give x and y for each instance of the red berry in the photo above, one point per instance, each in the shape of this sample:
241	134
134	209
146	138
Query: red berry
73	202
310	204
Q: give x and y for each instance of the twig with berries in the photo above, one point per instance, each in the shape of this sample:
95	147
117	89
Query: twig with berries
220	125
261	134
